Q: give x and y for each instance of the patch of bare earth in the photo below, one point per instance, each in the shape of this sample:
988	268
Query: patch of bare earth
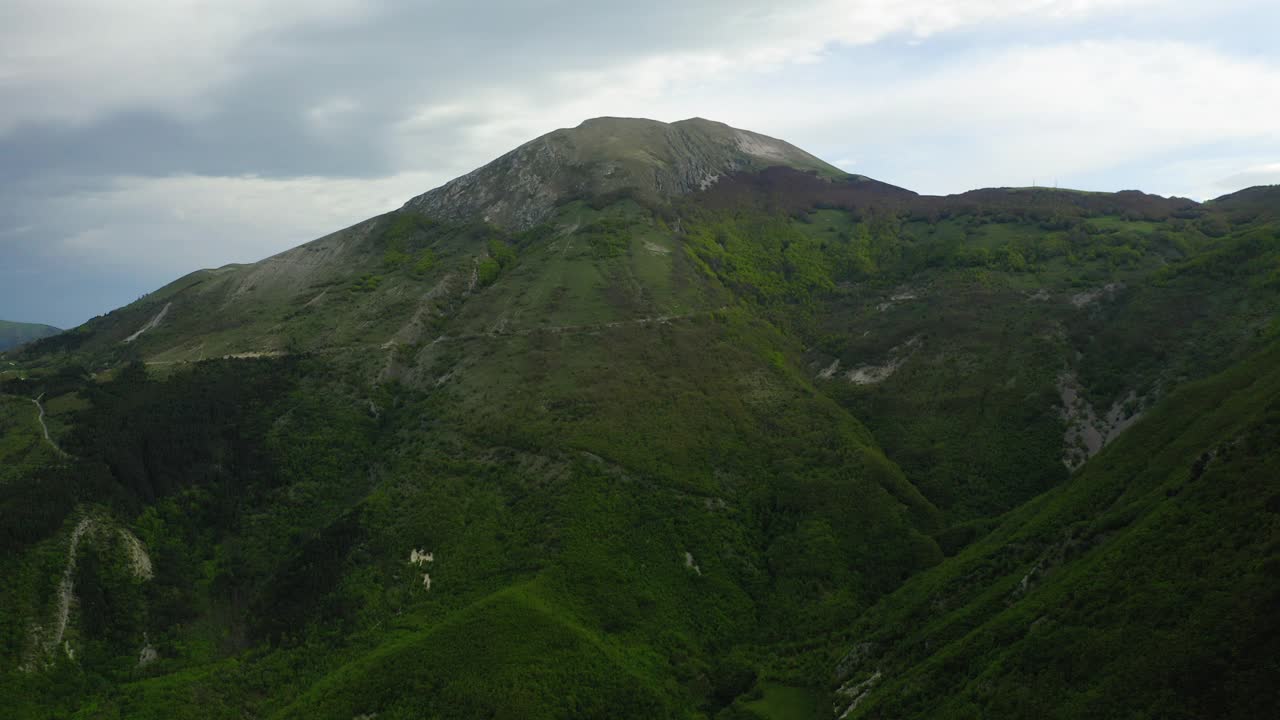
871	374
1088	431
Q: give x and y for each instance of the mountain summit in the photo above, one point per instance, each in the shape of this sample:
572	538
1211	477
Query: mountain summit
652	159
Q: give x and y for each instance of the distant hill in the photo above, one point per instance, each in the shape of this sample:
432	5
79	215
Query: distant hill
13	334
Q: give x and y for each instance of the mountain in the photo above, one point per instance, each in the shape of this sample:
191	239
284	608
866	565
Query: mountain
1145	586
665	420
649	159
13	334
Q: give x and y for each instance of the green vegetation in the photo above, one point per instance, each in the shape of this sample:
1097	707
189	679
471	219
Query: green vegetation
1146	586
752	453
23	449
13	334
780	702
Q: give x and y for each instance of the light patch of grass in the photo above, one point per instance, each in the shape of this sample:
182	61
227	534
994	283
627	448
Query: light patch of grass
784	702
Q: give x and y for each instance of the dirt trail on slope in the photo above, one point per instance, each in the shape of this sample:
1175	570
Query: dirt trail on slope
137	558
65	594
45	427
40	417
153	322
561	329
493	334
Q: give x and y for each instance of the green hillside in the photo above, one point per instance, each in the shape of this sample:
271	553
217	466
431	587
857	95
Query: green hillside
688	424
13	334
1147	586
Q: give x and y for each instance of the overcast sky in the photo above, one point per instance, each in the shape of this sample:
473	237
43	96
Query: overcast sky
141	140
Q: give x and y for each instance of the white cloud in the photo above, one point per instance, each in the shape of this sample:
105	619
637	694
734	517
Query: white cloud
1205	178
1263	174
1071	109
332	115
177	224
808	27
71	61
1005	116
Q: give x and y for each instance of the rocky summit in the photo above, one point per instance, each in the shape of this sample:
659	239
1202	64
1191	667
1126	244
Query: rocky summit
656	161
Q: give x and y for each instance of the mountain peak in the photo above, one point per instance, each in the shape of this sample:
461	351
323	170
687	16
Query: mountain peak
653	159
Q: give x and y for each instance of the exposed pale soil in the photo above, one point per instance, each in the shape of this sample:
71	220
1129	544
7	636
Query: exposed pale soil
151	324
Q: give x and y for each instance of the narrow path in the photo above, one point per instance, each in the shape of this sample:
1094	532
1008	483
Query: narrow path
44	647
66	588
563	329
45	427
551	329
47	645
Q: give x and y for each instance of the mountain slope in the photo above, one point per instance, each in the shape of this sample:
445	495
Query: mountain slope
639	420
13	334
652	160
1147	585
590	196
575	406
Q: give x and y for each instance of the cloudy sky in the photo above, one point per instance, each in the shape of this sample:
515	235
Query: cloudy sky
142	140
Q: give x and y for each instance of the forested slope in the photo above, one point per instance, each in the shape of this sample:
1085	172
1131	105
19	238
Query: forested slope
725	436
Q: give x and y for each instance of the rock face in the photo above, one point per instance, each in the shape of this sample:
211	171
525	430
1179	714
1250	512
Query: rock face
655	160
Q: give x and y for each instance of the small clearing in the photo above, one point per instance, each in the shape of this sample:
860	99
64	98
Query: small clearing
139	560
1088	432
899	296
690	564
830	371
418	558
871	374
148	654
1090	297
